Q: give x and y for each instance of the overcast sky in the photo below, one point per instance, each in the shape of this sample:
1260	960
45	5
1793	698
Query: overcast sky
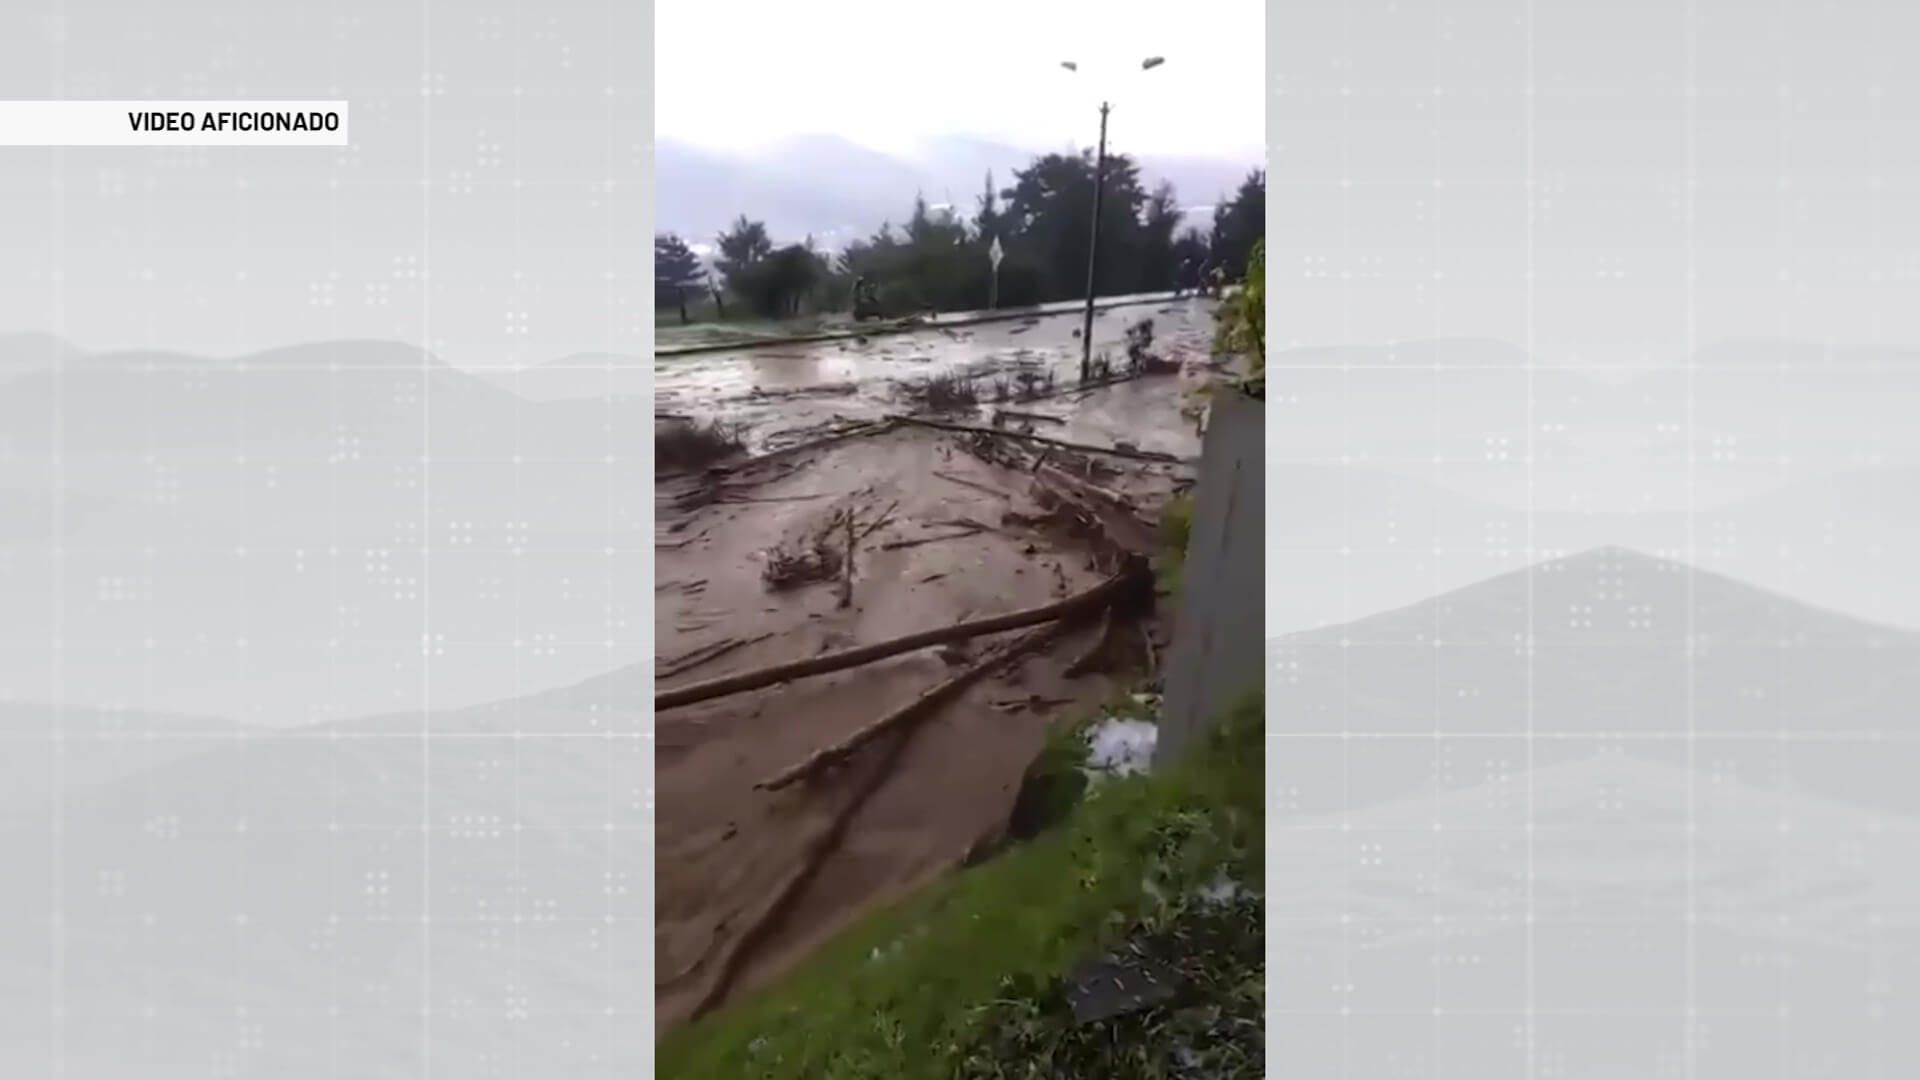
888	74
476	220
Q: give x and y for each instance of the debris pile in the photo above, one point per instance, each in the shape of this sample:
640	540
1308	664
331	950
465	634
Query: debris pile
815	560
681	443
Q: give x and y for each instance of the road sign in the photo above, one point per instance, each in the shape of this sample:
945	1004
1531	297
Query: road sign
996	253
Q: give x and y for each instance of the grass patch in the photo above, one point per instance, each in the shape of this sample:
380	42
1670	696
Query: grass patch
690	444
706	319
1176	524
1242	323
969	977
1176	530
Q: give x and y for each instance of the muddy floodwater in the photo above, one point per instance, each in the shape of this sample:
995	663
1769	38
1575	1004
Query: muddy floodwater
949	532
782	394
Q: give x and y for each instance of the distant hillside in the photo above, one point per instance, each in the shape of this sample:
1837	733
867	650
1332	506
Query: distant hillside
1570	650
325	529
1606	786
307	852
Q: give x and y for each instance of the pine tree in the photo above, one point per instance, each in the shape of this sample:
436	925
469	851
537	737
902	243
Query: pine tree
675	270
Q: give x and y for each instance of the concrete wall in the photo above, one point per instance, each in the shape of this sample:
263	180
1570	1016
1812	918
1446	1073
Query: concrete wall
1218	650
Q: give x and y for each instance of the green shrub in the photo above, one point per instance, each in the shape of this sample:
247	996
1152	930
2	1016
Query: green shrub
1242	329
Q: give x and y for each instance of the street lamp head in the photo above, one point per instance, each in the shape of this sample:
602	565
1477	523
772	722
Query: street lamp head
1152	62
1070	65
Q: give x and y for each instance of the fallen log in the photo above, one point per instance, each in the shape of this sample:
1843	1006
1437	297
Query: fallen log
686	662
824	842
729	497
854	432
1118	529
1085	448
964	482
961	534
821	845
812	858
846	564
1112	498
905	716
1041	418
1125	588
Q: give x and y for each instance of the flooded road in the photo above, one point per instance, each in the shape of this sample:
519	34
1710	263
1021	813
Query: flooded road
709	335
783	393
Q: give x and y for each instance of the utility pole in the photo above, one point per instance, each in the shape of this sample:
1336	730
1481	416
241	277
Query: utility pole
1093	247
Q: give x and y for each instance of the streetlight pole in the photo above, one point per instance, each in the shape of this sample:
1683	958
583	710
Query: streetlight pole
1093	247
1093	232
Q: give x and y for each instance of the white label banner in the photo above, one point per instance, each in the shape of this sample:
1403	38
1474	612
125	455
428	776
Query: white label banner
173	123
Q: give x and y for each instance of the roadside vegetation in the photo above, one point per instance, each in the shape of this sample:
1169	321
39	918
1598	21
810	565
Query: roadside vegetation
937	259
1176	530
975	976
1242	326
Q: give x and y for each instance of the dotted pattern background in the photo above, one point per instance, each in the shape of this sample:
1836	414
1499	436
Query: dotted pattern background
1592	666
325	675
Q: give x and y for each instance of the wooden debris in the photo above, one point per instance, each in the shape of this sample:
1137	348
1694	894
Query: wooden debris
895	545
914	710
1124	587
728	497
846	564
1033	702
688	661
964	482
1136	455
855	432
1000	415
813	856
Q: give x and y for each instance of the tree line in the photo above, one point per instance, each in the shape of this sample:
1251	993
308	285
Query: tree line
938	259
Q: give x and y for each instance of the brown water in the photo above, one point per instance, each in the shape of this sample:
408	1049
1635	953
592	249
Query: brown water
784	392
724	847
